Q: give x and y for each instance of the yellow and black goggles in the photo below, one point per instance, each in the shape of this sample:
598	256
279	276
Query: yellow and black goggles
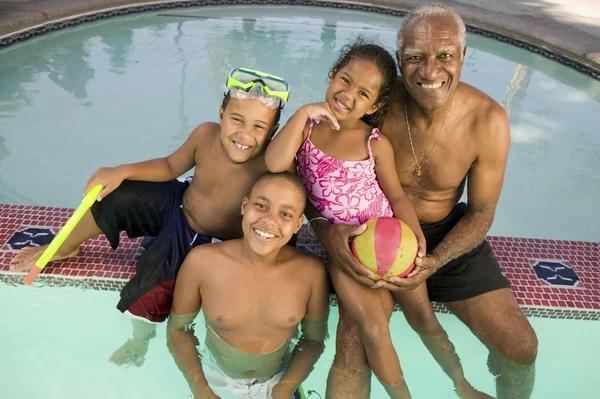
245	79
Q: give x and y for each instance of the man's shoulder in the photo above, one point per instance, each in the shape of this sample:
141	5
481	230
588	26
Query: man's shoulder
488	117
484	108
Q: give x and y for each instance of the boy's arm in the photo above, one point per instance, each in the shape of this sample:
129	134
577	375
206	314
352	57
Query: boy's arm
312	341
390	185
155	170
180	334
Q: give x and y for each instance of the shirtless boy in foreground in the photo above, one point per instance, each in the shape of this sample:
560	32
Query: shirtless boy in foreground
254	292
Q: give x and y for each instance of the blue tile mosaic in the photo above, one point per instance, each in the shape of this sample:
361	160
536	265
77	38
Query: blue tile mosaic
556	273
31	237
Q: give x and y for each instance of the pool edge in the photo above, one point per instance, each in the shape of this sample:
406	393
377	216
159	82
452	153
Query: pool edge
520	32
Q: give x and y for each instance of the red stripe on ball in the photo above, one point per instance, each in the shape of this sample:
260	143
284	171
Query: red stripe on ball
387	239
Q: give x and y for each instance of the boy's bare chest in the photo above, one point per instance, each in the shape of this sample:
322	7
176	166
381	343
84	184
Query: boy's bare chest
254	304
218	176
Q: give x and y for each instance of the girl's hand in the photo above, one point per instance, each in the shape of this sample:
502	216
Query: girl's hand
321	112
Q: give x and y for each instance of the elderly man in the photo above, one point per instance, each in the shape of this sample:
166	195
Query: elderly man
444	134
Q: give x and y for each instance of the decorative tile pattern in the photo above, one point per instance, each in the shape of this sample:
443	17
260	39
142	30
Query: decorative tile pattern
52	26
95	258
98	267
517	256
31	237
556	273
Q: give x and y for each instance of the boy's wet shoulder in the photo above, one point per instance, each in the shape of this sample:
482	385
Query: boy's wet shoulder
206	131
308	260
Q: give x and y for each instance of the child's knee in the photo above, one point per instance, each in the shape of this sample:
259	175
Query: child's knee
374	330
425	324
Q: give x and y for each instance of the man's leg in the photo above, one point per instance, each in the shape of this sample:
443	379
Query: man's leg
496	319
350	375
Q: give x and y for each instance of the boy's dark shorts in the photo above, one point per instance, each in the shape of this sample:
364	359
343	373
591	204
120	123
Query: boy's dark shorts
147	209
474	273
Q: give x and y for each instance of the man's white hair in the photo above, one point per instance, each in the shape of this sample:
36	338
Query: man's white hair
434	10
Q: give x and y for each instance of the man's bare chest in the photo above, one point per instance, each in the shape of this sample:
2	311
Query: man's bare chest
431	165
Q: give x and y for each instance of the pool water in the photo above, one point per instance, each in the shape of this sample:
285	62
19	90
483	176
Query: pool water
57	341
132	88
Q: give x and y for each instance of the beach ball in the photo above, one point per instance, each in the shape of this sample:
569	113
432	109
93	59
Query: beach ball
388	247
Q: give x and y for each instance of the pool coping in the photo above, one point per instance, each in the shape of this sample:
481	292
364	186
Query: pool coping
117	284
540	34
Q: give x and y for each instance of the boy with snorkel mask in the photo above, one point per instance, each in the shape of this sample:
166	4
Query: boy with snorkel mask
145	199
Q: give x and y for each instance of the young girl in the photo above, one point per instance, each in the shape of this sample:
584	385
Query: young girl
350	177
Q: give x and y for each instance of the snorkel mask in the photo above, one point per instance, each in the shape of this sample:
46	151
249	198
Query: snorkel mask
271	90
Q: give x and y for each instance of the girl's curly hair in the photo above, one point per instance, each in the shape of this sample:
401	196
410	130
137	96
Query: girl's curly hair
363	50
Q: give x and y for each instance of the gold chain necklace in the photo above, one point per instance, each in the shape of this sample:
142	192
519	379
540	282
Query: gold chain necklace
419	169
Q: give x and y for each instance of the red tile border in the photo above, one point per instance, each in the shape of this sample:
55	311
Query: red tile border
516	256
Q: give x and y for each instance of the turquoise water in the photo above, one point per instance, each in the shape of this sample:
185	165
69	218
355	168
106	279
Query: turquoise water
64	337
133	88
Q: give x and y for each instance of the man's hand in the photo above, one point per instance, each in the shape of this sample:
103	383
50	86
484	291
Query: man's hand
334	238
424	267
110	178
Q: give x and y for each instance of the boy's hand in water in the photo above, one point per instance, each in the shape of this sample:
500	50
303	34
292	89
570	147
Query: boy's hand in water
281	391
203	393
111	178
321	112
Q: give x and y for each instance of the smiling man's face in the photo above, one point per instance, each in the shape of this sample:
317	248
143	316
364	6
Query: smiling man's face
431	60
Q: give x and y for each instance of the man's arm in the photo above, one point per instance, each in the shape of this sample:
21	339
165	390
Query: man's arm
180	334
312	341
484	185
154	170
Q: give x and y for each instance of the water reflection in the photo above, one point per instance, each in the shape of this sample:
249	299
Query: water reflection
516	90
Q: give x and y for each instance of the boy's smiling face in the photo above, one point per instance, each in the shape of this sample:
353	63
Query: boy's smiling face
247	126
272	214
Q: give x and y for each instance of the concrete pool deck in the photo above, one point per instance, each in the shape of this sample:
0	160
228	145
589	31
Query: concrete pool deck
567	27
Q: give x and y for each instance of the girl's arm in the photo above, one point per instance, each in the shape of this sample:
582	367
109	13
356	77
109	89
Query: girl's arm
390	185
284	146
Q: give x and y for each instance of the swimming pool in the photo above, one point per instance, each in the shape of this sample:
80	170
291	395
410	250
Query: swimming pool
132	88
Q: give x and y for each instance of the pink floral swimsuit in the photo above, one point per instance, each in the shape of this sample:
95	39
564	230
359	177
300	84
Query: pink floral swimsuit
342	191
